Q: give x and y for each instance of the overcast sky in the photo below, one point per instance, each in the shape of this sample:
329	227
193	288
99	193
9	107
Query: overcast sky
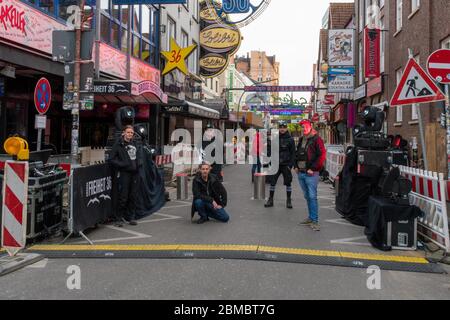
290	30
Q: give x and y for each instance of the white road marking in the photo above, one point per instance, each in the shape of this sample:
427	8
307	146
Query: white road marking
349	241
38	265
343	222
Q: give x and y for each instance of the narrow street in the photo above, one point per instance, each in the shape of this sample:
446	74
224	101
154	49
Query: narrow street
193	278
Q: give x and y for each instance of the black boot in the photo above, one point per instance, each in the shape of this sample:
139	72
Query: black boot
289	203
269	203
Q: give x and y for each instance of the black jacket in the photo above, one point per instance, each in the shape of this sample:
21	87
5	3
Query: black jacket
209	191
120	158
314	153
287	150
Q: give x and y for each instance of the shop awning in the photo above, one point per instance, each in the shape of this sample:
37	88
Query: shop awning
128	92
190	108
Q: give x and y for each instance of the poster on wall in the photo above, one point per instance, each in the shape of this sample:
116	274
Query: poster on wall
340	47
372	45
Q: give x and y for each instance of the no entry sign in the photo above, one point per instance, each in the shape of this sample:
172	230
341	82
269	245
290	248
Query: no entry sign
439	66
42	95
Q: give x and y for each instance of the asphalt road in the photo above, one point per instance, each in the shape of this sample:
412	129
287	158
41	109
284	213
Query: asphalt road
250	224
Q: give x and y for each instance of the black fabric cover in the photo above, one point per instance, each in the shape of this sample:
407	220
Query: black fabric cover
381	211
151	195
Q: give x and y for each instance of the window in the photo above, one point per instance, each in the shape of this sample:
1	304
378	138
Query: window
124	15
381	4
194	59
104	5
136	46
415	4
124	40
104	28
185	43
171	31
137	18
399	20
445	44
146	51
146	16
48	5
114	35
195	9
399	116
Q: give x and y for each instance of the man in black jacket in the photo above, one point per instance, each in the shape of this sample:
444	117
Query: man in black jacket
287	161
210	196
125	157
310	159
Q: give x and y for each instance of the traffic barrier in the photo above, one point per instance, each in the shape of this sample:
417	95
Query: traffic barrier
14	206
259	186
335	160
182	186
163	159
429	194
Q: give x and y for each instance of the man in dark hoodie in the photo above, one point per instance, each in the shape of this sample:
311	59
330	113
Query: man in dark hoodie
287	161
125	157
210	196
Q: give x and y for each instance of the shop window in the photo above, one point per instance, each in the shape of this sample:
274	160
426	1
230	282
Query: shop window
124	15
63	5
136	46
136	19
48	5
124	40
116	12
115	34
146	16
104	28
16	118
146	53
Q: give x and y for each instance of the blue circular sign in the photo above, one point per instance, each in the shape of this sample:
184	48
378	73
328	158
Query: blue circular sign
42	96
238	13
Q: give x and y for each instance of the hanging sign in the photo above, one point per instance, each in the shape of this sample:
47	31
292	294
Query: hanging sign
372	52
176	57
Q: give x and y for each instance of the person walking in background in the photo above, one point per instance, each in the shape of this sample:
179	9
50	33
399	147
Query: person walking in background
287	159
310	159
126	158
257	149
210	196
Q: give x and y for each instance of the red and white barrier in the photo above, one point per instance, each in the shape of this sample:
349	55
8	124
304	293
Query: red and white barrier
163	159
14	206
335	161
429	194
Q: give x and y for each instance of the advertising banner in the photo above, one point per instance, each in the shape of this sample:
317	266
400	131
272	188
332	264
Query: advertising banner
372	43
91	196
341	47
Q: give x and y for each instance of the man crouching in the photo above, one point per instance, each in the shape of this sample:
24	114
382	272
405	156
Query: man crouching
210	196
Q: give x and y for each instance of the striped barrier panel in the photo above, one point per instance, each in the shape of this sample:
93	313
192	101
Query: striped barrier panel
14	206
334	163
429	194
163	159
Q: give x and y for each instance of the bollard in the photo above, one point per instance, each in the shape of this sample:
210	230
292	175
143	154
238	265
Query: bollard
259	186
182	186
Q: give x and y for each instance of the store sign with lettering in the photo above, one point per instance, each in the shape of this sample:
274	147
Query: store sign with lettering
26	26
219	39
237	12
213	62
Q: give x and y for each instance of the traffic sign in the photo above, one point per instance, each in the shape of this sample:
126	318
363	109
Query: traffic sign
438	66
416	87
42	95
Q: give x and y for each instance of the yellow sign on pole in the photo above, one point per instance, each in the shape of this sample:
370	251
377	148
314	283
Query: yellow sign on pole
176	57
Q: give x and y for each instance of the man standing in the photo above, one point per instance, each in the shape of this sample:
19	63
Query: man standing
287	161
257	149
210	196
125	157
310	159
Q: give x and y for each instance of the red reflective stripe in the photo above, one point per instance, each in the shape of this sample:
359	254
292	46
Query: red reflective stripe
2	165
19	169
414	183
422	192
430	189
13	204
8	240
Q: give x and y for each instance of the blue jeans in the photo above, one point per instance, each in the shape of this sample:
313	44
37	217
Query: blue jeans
309	186
206	210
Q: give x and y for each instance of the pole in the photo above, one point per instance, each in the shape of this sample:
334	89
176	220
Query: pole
447	116
76	81
39	140
422	133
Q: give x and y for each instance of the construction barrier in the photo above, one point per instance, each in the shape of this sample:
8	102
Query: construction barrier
14	206
429	194
163	159
335	160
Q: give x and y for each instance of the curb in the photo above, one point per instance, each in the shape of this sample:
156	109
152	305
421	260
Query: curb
10	264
